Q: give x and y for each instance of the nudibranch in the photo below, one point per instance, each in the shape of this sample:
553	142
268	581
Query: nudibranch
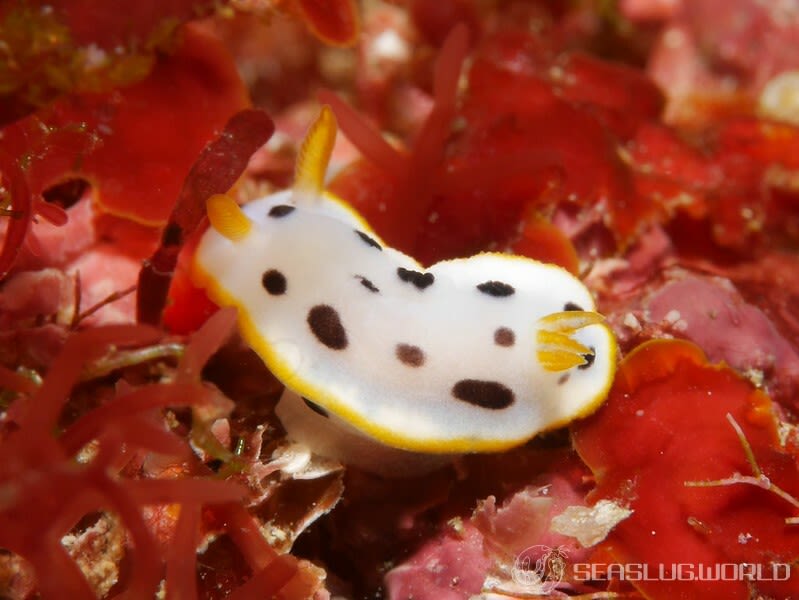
387	363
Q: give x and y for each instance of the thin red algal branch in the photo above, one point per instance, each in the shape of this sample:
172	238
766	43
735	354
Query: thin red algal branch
11	380
415	174
759	479
126	358
167	491
45	490
146	558
110	298
45	406
335	22
217	168
365	137
43	499
18	210
205	341
428	146
51	213
181	574
33	156
139	401
274	576
147	432
243	529
70	582
270	580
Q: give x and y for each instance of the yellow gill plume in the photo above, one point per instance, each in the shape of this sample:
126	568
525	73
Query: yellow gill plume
557	349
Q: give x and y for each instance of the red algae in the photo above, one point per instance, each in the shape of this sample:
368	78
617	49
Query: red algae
467	552
714	64
215	171
713	315
58	47
11	380
540	240
411	177
33	156
200	68
335	22
664	431
97	137
118	428
451	175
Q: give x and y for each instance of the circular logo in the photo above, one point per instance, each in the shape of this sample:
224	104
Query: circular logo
539	569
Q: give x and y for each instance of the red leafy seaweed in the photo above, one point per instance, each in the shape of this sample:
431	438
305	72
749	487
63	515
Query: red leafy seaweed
335	22
215	171
658	444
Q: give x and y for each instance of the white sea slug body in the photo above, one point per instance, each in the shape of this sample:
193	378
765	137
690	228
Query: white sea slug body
385	361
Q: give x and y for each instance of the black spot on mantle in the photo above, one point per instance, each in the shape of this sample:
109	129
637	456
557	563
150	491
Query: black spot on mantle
274	282
420	280
572	306
504	337
325	324
315	407
368	240
485	394
281	210
409	355
368	284
496	288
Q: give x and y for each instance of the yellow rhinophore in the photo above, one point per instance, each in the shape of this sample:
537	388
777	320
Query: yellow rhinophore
227	218
314	155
